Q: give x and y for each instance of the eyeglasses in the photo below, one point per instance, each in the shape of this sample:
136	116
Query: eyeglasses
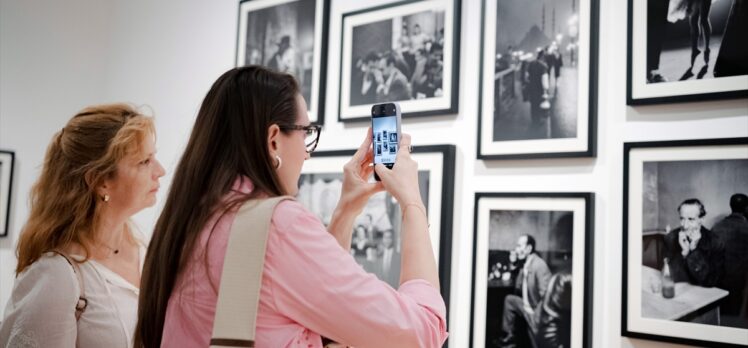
311	134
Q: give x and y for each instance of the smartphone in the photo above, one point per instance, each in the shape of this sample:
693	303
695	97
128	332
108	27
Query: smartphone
385	126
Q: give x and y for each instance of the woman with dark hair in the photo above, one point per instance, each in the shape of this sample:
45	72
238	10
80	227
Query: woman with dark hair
250	140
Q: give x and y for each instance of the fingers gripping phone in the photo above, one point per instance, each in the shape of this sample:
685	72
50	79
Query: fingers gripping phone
385	126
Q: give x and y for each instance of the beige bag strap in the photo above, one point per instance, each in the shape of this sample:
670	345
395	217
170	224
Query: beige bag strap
82	303
241	279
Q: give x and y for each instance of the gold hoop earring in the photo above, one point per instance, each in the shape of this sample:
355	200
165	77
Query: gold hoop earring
280	162
105	198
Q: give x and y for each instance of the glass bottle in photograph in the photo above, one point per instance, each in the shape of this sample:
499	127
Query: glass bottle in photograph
668	286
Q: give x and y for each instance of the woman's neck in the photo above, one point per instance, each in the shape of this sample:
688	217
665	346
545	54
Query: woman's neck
111	230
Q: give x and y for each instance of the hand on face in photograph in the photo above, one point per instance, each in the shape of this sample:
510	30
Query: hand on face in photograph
688	240
685	244
356	186
694	236
402	180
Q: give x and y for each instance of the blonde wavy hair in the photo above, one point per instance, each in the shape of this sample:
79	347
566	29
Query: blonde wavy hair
65	206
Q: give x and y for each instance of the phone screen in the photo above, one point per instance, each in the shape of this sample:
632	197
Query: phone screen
385	138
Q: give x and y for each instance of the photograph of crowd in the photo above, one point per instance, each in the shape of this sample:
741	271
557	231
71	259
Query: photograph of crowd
400	53
376	232
536	89
398	59
285	35
536	70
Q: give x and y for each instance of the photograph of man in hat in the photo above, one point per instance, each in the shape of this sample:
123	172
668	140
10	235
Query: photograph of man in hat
283	59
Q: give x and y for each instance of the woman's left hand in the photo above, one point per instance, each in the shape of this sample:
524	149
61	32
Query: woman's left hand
355	193
356	188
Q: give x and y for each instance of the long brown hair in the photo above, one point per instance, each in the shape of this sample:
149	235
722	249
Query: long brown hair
64	203
229	139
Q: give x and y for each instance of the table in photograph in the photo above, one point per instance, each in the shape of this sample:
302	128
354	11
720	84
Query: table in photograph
691	302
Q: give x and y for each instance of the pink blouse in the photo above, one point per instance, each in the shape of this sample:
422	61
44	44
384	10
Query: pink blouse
310	287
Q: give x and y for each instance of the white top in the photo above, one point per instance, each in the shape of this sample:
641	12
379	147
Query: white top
41	309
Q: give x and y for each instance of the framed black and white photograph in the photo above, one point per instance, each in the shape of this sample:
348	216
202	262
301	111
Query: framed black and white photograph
687	50
6	186
685	236
376	232
406	52
532	270
538	89
288	36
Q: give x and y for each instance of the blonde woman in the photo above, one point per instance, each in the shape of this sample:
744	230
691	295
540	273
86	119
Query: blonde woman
79	259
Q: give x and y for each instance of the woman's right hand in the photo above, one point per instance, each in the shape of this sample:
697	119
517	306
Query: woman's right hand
402	180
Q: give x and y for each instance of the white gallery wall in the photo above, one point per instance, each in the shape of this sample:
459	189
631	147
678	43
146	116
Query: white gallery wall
58	57
53	61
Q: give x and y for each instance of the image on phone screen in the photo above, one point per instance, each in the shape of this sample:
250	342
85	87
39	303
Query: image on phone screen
385	138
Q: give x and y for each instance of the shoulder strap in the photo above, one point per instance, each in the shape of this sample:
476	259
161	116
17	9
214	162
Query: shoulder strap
241	278
82	303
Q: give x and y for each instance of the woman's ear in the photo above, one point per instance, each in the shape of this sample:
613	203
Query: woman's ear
274	133
101	190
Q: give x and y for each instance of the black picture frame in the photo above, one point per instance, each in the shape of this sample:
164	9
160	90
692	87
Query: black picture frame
316	60
640	189
437	158
519	137
447	102
581	203
7	159
640	92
